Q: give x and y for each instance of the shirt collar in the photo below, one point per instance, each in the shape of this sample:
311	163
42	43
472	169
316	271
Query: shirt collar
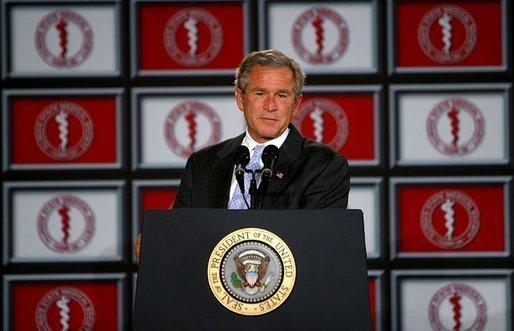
249	142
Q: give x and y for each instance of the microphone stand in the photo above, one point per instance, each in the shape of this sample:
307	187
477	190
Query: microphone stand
241	160
240	181
269	156
253	187
265	180
262	190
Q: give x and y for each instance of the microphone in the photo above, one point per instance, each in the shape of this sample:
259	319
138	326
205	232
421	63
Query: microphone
241	159
269	155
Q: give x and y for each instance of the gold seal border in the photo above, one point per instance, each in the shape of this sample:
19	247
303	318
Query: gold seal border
283	252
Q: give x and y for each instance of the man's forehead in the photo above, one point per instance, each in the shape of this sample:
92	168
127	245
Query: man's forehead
284	69
285	72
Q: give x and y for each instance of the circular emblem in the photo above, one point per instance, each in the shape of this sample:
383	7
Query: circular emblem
65	308
64	131
191	126
193	37
63	38
457	307
455	127
447	34
320	35
251	271
324	121
450	219
65	224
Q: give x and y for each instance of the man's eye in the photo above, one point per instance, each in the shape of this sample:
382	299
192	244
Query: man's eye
259	93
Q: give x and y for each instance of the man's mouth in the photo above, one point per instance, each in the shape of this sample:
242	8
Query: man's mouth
269	119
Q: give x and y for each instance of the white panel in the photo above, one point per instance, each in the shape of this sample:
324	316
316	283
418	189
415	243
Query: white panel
418	294
366	198
360	49
154	112
100	242
101	57
415	142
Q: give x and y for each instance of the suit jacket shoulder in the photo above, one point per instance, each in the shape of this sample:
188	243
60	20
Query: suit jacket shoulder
207	176
307	175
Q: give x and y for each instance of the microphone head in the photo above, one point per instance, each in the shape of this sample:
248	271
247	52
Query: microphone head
269	154
242	156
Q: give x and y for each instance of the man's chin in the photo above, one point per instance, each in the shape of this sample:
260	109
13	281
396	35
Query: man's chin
270	135
266	133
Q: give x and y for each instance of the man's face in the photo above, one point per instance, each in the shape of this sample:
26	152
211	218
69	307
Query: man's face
268	103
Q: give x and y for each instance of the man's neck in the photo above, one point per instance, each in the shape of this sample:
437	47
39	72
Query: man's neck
249	142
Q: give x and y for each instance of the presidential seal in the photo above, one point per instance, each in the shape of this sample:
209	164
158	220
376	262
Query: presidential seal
457	307
65	308
251	271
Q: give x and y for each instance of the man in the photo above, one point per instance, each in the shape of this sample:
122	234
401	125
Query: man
306	175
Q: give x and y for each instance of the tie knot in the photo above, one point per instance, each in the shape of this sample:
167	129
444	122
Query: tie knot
257	151
256	157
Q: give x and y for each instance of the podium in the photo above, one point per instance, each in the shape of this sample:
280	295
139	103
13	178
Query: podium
199	270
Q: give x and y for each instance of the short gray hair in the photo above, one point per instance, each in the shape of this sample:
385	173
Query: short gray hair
269	58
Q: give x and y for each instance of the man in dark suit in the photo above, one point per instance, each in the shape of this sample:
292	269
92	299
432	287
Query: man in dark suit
307	174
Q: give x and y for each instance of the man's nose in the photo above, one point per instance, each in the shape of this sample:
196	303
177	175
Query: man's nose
270	103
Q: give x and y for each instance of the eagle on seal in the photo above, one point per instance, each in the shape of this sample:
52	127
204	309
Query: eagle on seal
252	273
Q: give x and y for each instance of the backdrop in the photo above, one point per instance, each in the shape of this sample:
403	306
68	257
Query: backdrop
103	101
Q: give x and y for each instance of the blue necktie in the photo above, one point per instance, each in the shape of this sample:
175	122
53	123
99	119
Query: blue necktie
237	201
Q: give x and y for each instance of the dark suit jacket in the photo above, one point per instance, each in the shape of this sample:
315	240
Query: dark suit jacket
312	176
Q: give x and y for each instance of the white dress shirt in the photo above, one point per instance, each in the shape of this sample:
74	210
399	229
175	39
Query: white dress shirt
250	143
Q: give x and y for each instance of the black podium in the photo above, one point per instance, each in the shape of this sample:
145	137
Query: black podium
330	290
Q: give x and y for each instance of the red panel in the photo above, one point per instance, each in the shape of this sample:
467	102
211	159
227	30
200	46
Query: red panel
358	109
154	18
487	50
487	200
156	198
160	198
27	144
27	302
372	287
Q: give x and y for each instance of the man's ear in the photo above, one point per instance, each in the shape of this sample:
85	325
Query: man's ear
297	101
239	99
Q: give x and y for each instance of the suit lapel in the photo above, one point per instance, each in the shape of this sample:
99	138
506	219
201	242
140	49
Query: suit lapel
286	167
220	173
